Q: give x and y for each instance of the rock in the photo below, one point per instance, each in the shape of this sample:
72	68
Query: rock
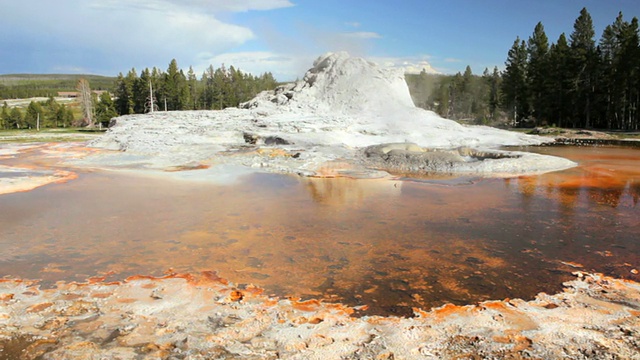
275	140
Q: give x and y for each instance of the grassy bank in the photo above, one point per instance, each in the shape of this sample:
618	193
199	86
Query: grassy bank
47	135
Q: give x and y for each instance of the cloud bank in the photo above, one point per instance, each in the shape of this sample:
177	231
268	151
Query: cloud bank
113	35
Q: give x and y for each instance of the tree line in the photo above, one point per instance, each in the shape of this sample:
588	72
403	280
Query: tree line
217	88
575	82
46	114
463	97
24	86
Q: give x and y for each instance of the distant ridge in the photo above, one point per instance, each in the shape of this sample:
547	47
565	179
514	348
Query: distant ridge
21	86
8	79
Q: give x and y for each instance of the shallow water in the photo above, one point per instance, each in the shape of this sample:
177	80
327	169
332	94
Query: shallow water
390	245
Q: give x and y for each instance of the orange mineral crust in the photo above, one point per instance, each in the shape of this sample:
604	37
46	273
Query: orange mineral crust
152	316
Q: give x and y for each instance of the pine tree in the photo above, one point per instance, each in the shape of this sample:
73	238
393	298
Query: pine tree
64	116
514	83
4	117
440	98
627	71
609	49
192	83
493	83
537	73
105	109
51	110
124	93
584	64
206	98
174	88
467	102
221	88
15	119
33	113
266	82
559	83
455	95
68	117
141	92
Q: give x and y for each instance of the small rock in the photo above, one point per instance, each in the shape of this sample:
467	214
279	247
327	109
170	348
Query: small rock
156	294
236	295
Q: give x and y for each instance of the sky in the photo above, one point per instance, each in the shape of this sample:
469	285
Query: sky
106	37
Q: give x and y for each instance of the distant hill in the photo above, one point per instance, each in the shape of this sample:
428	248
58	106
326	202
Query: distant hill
18	86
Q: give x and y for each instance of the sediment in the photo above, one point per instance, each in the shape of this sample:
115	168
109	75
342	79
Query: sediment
204	317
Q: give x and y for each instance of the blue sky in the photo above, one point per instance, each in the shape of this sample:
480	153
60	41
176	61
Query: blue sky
282	36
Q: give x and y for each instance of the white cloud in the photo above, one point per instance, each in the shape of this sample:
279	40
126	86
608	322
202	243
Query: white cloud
411	65
283	67
128	33
212	6
353	24
288	67
70	70
362	35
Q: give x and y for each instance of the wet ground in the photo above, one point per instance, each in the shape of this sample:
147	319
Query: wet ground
389	245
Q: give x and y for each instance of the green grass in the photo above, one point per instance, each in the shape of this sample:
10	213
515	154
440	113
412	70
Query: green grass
626	135
46	135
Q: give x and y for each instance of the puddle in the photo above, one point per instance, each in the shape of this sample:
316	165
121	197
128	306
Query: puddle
390	245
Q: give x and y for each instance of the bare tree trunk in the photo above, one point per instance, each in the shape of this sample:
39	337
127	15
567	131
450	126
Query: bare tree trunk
86	101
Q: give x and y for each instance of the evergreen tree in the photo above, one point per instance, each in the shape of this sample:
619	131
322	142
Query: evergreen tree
105	109
15	119
626	75
219	88
514	83
192	83
440	97
455	91
467	102
124	93
64	116
174	88
33	113
4	117
68	117
51	111
584	64
493	82
559	82
207	95
141	92
608	52
537	73
266	82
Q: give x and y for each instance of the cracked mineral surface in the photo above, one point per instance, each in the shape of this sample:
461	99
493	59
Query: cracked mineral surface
204	317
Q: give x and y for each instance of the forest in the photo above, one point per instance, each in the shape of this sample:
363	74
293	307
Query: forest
575	82
172	90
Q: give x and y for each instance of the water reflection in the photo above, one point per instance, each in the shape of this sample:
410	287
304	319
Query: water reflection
606	176
387	244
